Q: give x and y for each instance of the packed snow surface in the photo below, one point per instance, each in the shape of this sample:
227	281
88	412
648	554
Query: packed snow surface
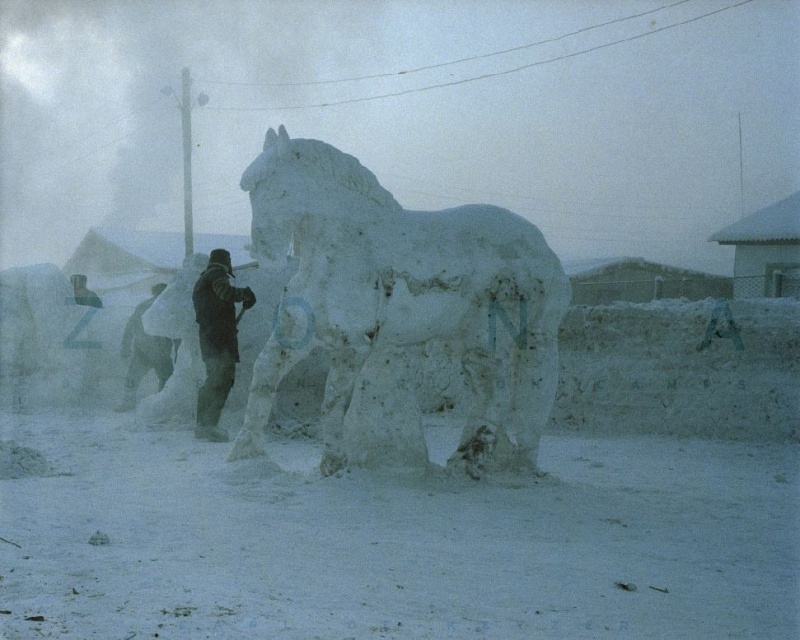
670	504
633	537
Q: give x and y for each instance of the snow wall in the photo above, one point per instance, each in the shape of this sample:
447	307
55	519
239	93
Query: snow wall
55	354
670	367
711	369
715	369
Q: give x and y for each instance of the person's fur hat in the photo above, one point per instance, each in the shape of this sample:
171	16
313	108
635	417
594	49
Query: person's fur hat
223	257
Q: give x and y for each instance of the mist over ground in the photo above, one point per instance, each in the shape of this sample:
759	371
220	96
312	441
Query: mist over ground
614	128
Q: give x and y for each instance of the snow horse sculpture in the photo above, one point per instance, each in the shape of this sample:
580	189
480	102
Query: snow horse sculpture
372	273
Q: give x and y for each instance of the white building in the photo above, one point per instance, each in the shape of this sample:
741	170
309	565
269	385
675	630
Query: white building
767	260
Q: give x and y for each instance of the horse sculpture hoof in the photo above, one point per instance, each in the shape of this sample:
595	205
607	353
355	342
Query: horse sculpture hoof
247	445
489	449
331	463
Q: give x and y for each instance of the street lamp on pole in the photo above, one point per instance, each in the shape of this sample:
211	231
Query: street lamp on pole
185	105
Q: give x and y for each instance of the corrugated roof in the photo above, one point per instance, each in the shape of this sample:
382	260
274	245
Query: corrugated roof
594	265
166	249
588	268
779	222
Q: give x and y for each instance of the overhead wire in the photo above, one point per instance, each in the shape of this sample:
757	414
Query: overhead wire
439	65
423	68
493	74
426	88
105	145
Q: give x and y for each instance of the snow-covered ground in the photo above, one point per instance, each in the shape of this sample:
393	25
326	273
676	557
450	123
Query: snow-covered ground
626	537
669	506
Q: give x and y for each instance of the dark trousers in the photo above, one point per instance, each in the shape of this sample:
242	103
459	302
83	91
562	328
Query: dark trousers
139	367
220	376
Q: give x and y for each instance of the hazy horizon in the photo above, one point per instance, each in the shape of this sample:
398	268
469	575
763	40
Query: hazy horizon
614	127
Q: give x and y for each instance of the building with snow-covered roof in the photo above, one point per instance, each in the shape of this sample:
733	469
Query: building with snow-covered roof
607	280
125	263
767	259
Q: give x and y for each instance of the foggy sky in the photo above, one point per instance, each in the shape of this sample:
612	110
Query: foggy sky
628	149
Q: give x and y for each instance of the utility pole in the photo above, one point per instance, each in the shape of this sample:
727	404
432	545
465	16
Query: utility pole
185	105
186	118
741	168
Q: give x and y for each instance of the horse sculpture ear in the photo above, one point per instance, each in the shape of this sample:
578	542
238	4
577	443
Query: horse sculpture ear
270	139
282	142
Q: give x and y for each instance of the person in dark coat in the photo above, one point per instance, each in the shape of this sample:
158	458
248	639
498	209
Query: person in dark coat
84	296
214	299
145	351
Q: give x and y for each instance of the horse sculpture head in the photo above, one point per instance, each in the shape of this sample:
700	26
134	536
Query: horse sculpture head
292	180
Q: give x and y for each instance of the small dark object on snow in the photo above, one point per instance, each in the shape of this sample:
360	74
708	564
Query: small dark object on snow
11	542
35	618
660	589
99	539
625	586
179	612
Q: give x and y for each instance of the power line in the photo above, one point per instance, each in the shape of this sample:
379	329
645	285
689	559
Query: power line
439	65
97	149
120	119
486	76
105	145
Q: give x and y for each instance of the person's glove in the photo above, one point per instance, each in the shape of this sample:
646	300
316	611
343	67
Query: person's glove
249	298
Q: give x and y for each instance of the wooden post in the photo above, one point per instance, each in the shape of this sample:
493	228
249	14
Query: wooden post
186	113
658	288
777	284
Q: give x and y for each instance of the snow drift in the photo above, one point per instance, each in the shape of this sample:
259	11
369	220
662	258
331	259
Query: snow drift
711	369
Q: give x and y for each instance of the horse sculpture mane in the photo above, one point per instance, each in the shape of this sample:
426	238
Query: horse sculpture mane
323	161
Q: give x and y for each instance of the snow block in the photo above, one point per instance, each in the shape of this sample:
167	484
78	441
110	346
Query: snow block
54	352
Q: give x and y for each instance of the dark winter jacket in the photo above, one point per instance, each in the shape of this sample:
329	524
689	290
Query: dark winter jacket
213	299
136	342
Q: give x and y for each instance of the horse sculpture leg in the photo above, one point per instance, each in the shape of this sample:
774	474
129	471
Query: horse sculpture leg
346	363
272	364
484	444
